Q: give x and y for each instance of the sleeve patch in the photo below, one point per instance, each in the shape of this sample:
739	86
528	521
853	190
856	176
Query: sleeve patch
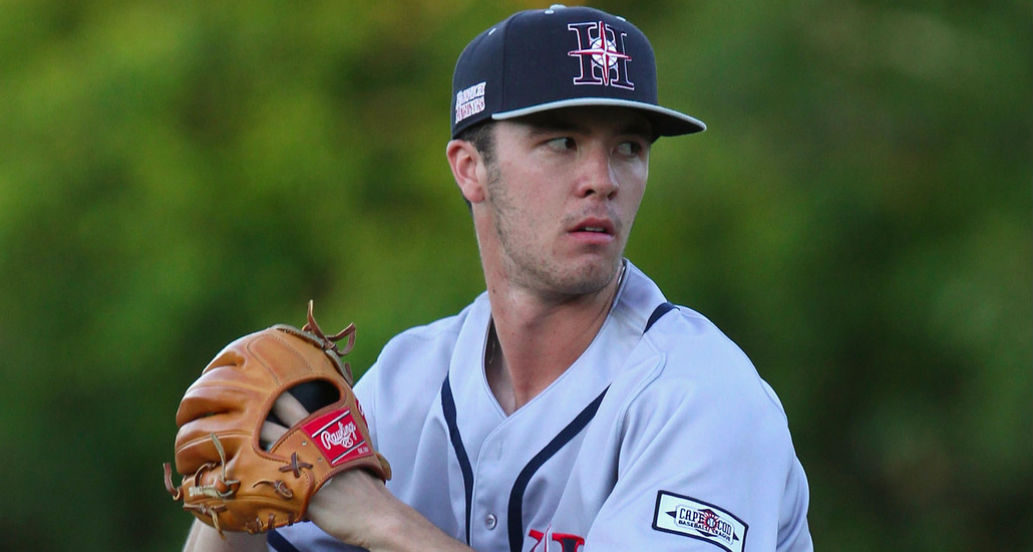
686	516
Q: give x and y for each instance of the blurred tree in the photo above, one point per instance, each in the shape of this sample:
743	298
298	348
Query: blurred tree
857	217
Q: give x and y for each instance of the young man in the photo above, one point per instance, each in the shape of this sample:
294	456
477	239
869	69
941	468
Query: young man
570	407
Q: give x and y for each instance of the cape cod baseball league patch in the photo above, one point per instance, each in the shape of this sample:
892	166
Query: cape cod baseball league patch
683	515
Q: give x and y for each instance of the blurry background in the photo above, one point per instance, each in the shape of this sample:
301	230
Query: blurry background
857	218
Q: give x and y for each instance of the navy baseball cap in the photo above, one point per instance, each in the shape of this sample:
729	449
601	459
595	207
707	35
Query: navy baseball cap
538	60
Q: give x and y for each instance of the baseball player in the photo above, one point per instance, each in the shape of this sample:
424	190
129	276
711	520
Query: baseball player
570	407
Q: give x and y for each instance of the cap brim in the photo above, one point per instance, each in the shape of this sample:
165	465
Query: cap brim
667	122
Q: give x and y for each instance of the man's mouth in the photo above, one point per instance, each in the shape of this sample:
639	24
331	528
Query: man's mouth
594	230
594	225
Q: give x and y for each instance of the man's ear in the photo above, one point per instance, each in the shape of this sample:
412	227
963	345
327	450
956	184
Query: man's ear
468	169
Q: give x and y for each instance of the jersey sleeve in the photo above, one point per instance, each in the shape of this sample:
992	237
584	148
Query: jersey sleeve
704	462
306	536
365	394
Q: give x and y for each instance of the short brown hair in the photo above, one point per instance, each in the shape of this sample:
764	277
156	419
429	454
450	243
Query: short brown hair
482	136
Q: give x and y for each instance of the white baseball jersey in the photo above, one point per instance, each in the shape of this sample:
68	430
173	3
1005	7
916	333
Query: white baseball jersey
661	436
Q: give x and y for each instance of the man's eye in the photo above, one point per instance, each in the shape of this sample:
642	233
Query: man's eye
561	144
629	148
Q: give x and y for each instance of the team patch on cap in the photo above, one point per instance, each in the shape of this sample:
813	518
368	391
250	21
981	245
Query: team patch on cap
470	101
683	515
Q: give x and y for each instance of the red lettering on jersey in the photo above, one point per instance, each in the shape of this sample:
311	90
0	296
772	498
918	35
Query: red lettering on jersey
537	536
568	543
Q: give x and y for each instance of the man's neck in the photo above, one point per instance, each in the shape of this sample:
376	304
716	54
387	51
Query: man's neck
533	341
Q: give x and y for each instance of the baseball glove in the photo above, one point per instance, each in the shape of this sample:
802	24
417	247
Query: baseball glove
229	480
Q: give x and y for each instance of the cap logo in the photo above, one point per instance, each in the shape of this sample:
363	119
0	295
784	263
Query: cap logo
604	61
470	101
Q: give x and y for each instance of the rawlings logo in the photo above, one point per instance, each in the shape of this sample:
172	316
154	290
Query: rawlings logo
682	515
344	436
604	60
337	437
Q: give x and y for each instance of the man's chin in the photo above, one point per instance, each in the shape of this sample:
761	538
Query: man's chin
588	279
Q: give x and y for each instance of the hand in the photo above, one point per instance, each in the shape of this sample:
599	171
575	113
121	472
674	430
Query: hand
356	507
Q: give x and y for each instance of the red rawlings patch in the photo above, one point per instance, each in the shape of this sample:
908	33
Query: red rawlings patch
337	437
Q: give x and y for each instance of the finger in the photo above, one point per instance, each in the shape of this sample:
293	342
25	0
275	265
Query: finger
271	432
288	409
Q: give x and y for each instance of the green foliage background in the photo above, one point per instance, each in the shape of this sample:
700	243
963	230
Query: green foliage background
858	218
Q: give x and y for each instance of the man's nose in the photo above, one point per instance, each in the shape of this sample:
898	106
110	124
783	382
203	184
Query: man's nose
596	175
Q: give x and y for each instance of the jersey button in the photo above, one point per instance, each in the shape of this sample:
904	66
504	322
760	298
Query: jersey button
490	521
